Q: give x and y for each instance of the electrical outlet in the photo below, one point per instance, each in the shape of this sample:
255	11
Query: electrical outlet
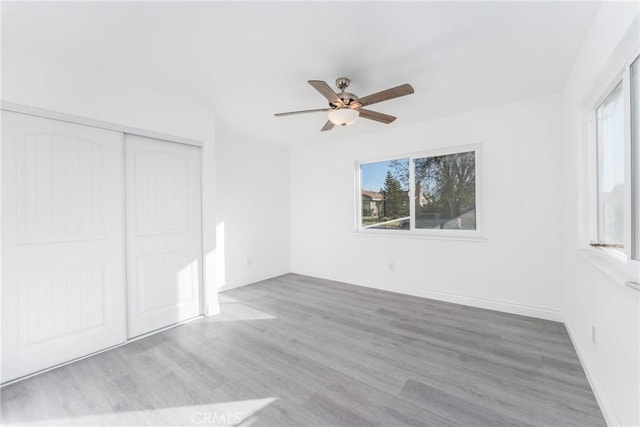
392	266
249	262
593	335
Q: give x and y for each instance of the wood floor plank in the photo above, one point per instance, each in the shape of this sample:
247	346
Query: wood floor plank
297	350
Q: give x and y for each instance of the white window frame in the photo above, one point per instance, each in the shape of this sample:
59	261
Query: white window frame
471	235
634	173
617	259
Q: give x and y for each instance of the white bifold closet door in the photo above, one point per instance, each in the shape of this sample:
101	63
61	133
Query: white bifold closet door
163	238
62	240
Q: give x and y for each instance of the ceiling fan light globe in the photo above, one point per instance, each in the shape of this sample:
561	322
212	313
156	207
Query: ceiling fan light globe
343	116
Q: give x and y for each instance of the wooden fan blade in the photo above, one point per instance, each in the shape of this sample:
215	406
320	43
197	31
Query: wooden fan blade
385	95
374	115
327	126
326	91
290	113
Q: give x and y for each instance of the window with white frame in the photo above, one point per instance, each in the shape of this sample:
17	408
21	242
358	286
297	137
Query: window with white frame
617	157
610	169
635	158
428	192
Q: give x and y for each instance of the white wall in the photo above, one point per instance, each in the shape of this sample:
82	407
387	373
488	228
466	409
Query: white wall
48	83
591	296
517	269
253	211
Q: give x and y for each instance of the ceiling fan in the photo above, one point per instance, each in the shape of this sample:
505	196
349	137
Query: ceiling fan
345	108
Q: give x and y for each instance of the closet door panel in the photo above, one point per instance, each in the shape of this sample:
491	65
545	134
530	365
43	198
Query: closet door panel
163	233
62	242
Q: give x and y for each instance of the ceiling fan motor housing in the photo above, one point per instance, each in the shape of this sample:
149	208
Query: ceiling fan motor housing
346	97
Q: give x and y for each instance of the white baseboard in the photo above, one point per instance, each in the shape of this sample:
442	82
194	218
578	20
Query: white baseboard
489	304
248	280
596	386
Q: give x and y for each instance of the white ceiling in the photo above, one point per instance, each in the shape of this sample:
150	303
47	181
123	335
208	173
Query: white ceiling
250	60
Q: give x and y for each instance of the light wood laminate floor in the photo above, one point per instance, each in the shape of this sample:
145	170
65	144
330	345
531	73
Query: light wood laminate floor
301	351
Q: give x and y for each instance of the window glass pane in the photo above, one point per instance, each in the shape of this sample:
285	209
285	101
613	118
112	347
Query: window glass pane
610	142
635	150
385	195
446	191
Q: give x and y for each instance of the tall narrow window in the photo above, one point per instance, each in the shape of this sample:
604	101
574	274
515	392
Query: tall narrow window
635	158
610	169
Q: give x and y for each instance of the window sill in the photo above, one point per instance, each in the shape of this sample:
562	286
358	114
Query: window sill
397	234
612	264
